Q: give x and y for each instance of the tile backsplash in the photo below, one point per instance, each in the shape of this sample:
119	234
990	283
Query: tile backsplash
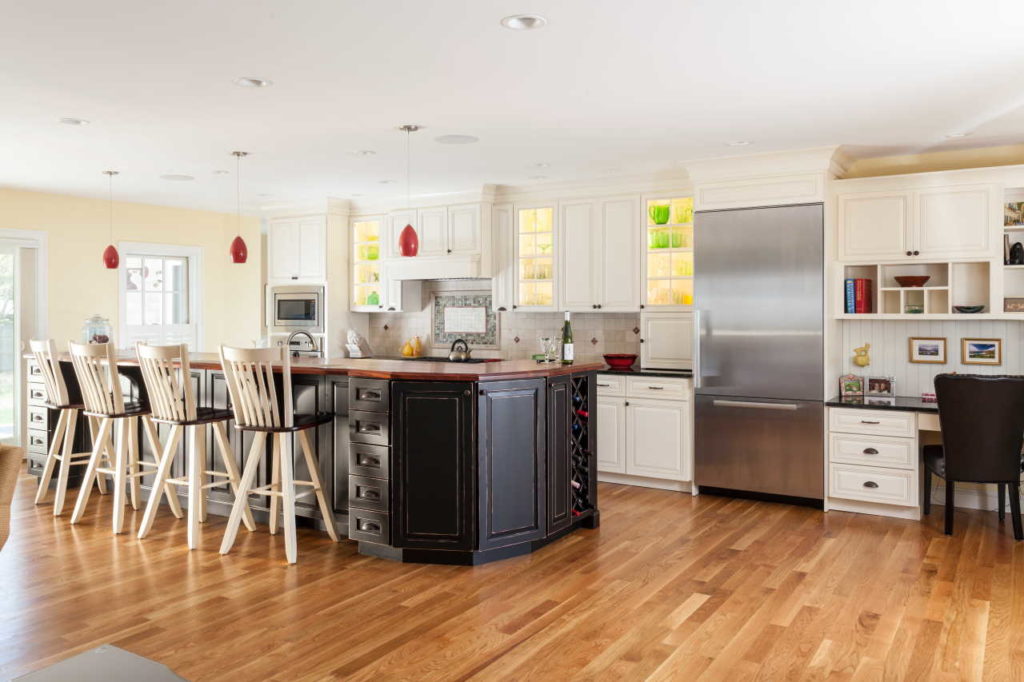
518	333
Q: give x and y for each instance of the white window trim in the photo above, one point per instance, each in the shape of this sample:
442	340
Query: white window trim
194	254
34	239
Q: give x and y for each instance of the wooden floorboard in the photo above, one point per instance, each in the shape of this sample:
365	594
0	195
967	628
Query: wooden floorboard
671	587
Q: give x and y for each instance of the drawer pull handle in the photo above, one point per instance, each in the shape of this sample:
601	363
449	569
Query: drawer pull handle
366	461
368	526
870	451
870	484
869	421
656	388
368	494
600	385
369	428
369	395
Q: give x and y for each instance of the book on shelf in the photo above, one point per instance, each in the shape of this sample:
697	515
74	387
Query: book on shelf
857	295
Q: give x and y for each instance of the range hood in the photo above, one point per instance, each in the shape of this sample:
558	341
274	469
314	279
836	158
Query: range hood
436	267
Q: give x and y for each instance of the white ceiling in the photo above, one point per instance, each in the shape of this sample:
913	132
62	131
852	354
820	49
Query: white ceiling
606	88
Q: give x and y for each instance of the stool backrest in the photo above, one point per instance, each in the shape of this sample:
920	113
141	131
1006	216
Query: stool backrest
10	467
96	370
982	420
45	353
168	377
253	388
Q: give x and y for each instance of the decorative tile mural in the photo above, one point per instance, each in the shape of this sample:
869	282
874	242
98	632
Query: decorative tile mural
466	316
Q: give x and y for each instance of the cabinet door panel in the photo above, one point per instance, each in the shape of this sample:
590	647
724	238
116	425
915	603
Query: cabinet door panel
284	244
666	340
874	226
464	230
580	239
656	431
503	265
431	227
513	493
312	246
559	502
340	447
619	267
954	222
396	223
611	435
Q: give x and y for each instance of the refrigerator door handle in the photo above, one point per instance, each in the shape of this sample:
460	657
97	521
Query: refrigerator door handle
758	406
696	350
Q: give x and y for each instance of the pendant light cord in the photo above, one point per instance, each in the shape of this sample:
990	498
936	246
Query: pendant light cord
238	195
408	172
110	204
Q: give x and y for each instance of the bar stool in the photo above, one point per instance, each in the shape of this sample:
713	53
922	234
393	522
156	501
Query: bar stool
96	370
254	398
167	373
59	398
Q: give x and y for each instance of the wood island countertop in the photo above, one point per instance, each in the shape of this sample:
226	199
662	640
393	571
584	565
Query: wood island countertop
404	369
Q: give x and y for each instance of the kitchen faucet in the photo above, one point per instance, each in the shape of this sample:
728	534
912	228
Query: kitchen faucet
291	338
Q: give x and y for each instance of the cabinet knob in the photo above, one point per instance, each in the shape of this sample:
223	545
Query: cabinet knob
514	307
293	277
917	253
449	250
870	451
391	308
501	309
641	340
594	306
641	306
870	484
910	253
599	306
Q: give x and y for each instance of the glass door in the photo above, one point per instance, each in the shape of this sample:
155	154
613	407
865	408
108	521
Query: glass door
535	258
366	270
9	344
669	255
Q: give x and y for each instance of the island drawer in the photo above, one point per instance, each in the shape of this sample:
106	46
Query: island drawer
876	422
610	385
368	427
371	395
38	417
38	440
369	460
369	526
874	451
870	484
36	394
368	493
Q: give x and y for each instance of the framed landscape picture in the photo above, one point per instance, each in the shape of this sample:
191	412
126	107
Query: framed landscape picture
981	351
928	350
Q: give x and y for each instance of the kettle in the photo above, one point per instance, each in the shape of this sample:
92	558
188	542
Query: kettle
459	351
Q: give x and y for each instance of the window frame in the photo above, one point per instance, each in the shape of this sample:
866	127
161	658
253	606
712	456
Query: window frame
193	258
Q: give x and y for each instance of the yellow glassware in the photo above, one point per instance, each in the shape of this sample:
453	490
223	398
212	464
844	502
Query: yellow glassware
417	347
407	351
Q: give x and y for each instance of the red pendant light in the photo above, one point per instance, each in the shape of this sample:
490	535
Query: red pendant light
239	251
408	240
111	259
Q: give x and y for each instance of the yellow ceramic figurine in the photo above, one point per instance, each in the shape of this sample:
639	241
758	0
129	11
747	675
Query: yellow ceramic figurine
417	347
407	351
861	357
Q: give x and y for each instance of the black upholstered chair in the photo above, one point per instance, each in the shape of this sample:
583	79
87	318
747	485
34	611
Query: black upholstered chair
982	420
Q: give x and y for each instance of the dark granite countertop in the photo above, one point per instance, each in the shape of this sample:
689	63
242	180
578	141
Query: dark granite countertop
900	403
637	372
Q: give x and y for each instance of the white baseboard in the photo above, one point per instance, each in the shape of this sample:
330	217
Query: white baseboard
982	496
644	481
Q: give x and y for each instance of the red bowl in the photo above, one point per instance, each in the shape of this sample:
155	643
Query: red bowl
912	280
620	360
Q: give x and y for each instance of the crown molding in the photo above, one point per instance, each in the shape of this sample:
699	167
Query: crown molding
766	165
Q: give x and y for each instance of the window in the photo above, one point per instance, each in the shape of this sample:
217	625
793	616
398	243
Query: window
158	292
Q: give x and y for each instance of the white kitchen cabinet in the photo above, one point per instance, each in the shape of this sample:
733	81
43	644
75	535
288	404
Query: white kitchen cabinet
942	222
442	230
463	237
656	433
666	340
432	229
599	267
503	266
297	248
535	258
611	434
400	295
396	222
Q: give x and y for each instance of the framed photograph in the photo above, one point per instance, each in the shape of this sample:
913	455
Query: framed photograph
928	350
981	351
1013	213
881	386
851	385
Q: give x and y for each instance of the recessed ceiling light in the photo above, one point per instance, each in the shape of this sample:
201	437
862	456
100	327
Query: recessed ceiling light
264	194
538	177
739	143
177	177
70	121
524	22
956	136
249	82
456	139
386	182
220	172
542	164
363	152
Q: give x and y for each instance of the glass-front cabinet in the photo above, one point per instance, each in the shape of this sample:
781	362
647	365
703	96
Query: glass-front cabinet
668	261
367	292
535	258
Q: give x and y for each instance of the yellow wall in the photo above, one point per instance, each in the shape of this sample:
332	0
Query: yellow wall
981	157
79	285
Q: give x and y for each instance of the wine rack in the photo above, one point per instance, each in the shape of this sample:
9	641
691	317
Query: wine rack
581	445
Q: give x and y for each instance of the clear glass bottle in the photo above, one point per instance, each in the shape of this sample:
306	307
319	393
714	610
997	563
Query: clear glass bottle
96	329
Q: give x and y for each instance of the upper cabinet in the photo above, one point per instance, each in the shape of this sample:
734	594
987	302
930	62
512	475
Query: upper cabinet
367	279
442	230
503	267
943	222
668	262
599	263
297	248
535	252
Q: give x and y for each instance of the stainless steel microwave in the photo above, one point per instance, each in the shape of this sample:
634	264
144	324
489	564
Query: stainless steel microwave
295	307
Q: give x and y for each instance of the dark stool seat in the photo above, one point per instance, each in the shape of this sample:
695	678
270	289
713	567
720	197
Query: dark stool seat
130	410
204	415
982	421
69	406
300	422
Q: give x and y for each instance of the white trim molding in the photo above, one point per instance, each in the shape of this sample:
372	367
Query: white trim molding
194	254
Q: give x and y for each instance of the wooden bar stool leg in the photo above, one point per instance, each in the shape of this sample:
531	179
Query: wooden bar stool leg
203	490
154	444
134	466
314	475
275	481
288	497
252	465
224	447
51	457
101	480
98	447
162	471
120	474
65	465
195	483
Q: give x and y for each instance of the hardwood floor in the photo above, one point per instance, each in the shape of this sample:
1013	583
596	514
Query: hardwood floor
670	587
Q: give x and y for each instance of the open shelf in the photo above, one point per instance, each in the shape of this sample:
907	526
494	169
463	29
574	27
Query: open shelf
949	284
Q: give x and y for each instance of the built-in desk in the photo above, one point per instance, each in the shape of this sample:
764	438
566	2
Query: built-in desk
873	456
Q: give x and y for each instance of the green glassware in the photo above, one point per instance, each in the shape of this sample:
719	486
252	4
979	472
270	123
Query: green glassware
659	213
373	298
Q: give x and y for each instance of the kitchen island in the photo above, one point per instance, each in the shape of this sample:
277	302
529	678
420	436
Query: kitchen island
423	461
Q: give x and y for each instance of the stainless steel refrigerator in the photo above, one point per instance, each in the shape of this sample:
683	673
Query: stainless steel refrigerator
758	360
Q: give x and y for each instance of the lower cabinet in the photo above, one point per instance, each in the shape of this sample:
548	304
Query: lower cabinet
559	493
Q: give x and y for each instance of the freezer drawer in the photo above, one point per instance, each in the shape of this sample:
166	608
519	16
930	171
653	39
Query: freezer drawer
774	447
